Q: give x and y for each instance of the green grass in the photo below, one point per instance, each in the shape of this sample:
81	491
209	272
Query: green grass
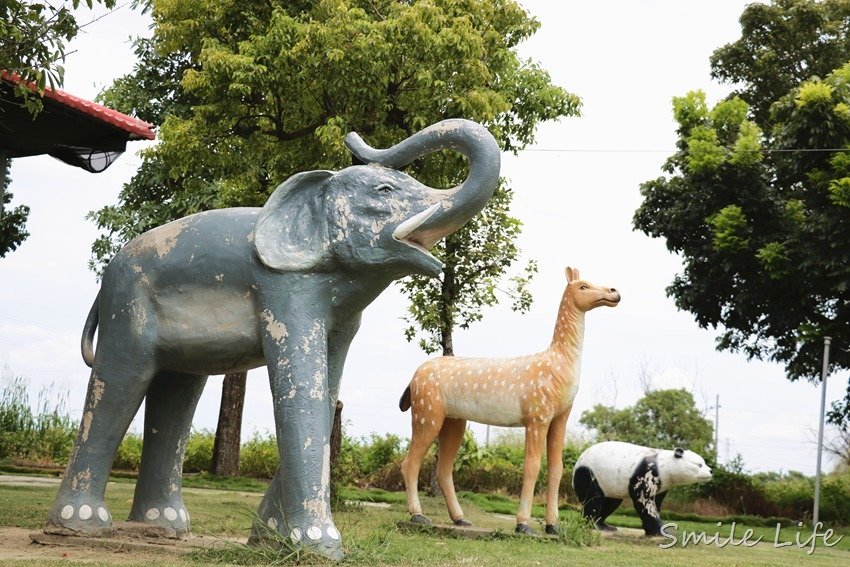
372	537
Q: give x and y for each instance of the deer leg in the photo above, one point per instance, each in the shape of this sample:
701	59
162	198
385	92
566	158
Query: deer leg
451	436
535	435
554	458
424	432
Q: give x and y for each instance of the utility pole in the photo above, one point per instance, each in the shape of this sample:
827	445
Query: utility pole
824	373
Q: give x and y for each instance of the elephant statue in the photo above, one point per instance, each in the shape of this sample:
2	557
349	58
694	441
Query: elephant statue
233	289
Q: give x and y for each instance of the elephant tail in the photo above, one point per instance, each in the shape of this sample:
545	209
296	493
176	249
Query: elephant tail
404	402
87	342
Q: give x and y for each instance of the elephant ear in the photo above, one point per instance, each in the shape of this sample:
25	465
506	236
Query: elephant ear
291	231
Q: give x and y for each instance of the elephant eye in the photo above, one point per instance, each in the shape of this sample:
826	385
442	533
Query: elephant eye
385	188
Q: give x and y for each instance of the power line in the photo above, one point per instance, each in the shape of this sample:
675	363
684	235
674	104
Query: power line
651	151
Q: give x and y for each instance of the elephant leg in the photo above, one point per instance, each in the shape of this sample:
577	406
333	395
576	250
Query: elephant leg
169	407
451	436
119	380
296	355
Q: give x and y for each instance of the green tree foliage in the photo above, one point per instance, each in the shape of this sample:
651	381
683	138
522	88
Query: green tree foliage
782	44
249	93
661	418
757	199
33	36
13	221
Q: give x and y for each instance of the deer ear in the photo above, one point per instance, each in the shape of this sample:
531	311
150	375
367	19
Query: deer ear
291	231
569	273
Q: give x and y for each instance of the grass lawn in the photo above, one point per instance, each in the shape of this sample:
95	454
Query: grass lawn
372	537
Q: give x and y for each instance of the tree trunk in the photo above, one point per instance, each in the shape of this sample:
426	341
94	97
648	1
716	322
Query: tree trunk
336	445
225	457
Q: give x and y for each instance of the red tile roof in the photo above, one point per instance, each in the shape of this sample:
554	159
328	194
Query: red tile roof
137	129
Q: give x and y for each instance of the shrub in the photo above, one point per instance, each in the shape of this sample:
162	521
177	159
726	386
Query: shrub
259	456
199	449
129	454
46	435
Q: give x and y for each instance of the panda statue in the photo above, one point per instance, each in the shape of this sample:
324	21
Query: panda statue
608	472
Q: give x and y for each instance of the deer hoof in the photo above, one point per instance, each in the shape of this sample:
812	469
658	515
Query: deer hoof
420	519
524	529
551	529
463	522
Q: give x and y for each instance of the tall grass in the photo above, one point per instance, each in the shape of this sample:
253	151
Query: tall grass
45	434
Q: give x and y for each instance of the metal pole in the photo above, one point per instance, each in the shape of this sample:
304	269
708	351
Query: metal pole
826	343
487	439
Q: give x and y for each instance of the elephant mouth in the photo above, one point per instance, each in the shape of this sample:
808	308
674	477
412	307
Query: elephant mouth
422	240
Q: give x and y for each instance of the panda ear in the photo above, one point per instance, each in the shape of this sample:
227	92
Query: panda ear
678	453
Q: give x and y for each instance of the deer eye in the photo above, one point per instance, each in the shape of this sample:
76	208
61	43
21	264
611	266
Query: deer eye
385	188
584	287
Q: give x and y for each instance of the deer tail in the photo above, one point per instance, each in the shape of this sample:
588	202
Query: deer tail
404	402
87	341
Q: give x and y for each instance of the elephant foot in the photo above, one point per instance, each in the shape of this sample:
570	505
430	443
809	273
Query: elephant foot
325	540
524	529
79	517
420	519
461	522
171	516
551	529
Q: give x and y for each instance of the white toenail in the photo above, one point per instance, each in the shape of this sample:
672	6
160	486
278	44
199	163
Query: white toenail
85	512
182	513
295	536
67	512
103	514
152	514
333	533
170	514
272	523
314	533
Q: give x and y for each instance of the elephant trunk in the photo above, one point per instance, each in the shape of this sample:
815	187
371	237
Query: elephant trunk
460	203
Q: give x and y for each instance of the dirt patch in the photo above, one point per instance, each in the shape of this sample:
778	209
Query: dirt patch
22	543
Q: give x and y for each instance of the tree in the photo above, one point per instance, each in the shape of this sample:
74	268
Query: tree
781	45
757	201
13	222
256	91
661	418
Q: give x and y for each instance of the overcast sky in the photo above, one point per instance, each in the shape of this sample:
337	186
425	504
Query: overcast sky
576	192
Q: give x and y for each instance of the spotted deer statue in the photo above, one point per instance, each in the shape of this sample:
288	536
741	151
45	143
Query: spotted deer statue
535	392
